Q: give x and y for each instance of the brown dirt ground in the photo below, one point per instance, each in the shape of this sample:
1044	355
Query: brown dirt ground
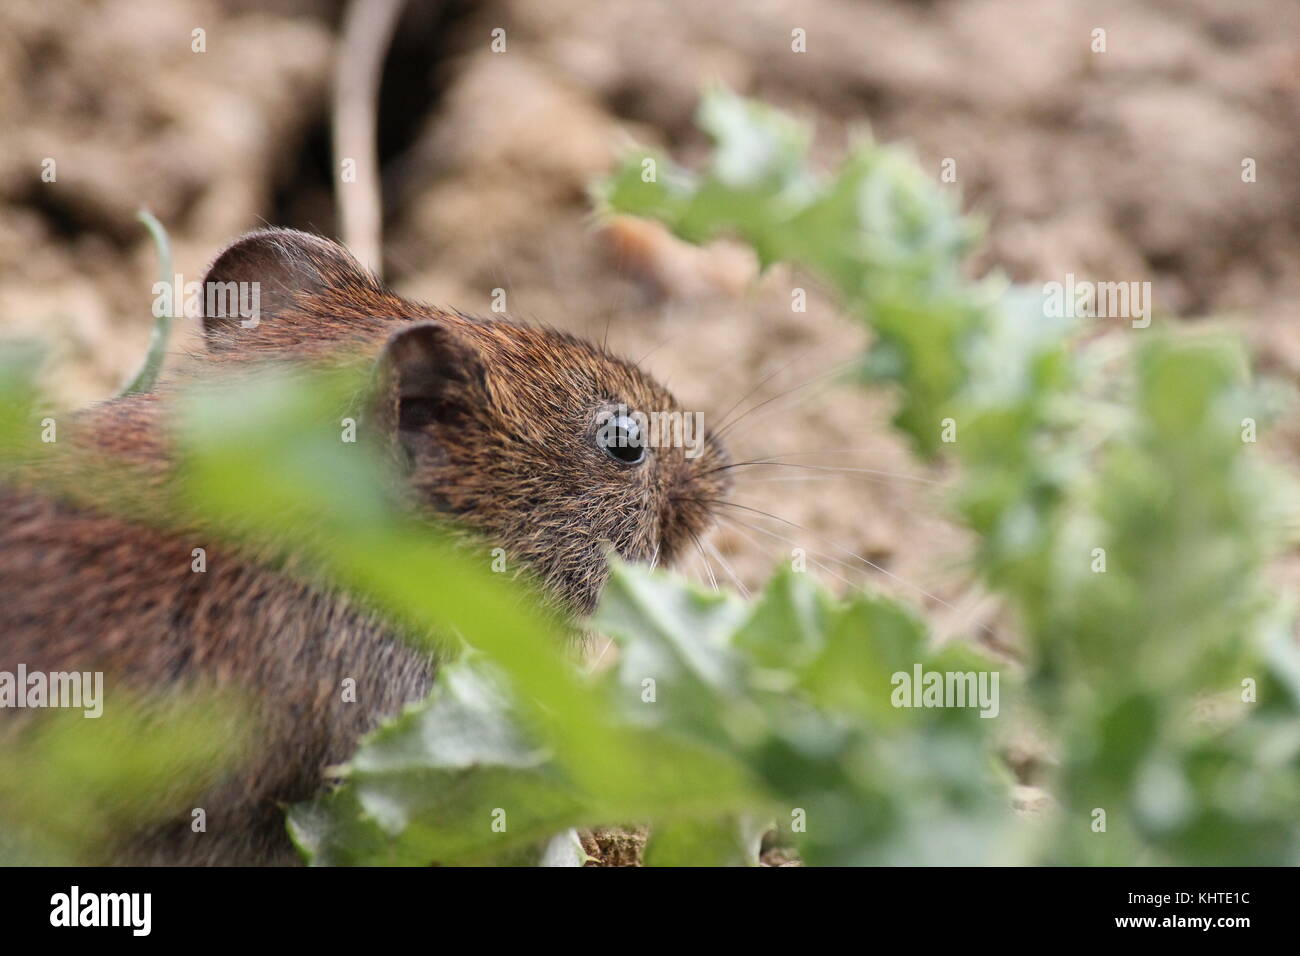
1123	165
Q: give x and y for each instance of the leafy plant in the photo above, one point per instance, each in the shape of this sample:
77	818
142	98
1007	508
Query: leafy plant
720	731
1131	532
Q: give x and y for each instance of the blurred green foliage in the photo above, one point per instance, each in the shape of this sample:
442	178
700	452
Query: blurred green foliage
70	787
1130	531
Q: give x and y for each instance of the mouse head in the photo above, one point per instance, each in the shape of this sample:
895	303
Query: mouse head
542	443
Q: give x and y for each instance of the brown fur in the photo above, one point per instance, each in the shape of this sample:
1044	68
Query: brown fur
493	423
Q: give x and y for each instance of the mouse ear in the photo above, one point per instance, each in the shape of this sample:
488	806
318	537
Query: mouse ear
256	278
430	374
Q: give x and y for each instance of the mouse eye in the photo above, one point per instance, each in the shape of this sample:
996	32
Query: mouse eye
620	438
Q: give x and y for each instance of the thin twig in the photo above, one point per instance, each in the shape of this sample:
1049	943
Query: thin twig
367	31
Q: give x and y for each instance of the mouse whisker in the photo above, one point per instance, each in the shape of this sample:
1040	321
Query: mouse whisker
723	423
824	382
737	524
609	642
988	632
839	547
726	566
832	469
778	479
672	338
819	378
740	526
713	580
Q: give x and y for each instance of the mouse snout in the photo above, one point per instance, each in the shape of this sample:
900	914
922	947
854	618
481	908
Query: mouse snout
697	489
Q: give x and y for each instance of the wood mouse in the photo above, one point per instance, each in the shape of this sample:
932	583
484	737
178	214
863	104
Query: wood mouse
506	429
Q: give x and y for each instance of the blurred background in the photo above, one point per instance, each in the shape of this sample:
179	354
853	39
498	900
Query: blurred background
1122	165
